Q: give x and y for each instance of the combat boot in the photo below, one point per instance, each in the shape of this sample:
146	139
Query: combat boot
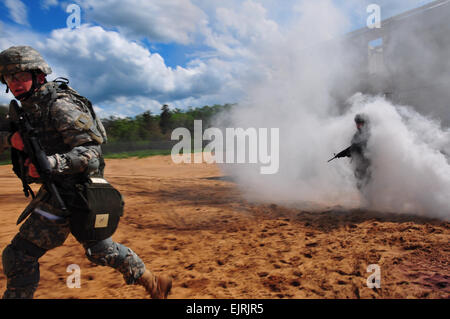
157	286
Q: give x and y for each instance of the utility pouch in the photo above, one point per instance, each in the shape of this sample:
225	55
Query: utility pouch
96	215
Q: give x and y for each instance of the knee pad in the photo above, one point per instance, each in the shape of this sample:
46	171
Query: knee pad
105	252
98	246
112	254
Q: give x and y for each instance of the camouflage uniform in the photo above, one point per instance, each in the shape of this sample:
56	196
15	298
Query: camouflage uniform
358	152
71	138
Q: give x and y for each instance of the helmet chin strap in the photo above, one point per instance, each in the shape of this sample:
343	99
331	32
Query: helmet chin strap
3	81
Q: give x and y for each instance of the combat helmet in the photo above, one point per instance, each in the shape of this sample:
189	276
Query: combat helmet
361	118
20	59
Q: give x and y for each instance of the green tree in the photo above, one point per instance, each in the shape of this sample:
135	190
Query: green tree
182	120
149	127
4	123
3	109
164	118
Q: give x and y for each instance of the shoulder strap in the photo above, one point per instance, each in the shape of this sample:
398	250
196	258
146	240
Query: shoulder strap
62	86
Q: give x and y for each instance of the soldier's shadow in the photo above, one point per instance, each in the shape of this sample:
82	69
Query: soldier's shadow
349	218
323	218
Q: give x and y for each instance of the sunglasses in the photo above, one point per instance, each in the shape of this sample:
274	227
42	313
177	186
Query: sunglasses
20	77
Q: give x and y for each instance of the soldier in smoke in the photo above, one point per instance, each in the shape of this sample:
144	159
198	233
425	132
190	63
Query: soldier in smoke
70	135
357	151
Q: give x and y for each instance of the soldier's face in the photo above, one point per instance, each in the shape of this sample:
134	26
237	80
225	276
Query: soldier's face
19	83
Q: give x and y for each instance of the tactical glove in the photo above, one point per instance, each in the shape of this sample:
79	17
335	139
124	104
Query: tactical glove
32	171
16	141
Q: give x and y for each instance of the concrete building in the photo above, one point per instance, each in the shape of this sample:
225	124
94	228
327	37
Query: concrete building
407	59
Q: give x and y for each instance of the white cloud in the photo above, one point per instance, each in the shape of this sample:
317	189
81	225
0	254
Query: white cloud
235	32
122	106
105	66
114	72
17	11
46	4
158	20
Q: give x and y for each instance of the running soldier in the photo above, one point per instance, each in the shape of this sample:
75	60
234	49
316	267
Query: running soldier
70	134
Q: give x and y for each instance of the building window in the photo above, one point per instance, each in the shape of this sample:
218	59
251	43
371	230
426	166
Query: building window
376	60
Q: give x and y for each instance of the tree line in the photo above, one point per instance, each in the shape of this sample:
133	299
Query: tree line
148	126
158	127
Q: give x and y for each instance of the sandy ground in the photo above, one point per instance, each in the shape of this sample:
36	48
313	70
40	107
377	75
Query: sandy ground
188	221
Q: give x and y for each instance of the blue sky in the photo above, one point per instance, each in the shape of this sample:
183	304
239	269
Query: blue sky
130	56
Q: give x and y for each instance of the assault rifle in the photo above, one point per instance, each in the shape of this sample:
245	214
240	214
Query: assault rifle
344	153
35	152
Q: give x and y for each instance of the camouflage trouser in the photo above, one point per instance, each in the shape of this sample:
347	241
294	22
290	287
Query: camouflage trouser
362	178
362	172
39	234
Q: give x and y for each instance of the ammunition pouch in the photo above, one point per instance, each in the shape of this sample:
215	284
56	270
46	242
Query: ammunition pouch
95	208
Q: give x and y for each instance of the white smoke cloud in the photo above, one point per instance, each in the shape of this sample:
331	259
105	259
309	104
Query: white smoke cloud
294	95
410	173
